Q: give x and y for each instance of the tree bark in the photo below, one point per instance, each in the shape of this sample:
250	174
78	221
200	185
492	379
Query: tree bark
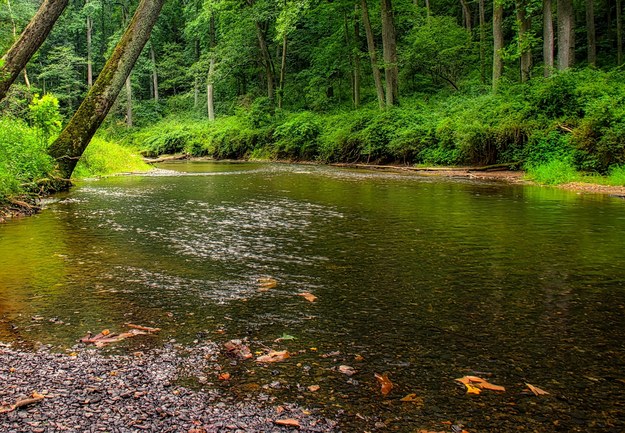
566	34
89	51
282	71
356	59
482	41
619	33
498	42
268	63
548	38
26	80
73	140
29	41
466	13
210	92
128	102
377	76
389	48
590	33
154	73
525	50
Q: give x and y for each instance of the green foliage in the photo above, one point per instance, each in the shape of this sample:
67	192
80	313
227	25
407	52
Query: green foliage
297	137
45	117
23	157
553	172
616	175
104	158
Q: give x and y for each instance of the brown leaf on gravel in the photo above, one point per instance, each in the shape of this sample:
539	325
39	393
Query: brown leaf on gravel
412	398
224	376
385	383
289	422
274	356
308	296
536	390
314	388
197	430
21	403
266	283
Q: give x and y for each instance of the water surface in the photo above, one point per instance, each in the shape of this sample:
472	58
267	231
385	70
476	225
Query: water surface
425	279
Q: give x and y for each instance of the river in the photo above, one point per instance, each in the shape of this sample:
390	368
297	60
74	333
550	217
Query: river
425	279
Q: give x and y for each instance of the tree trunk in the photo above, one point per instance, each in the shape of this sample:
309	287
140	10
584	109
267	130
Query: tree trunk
154	73
566	34
427	8
128	102
389	48
590	33
497	42
71	143
29	41
548	38
466	13
89	51
524	48
282	71
267	62
482	41
209	89
26	80
619	33
377	76
356	59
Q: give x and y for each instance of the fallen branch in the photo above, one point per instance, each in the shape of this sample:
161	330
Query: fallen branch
21	403
165	158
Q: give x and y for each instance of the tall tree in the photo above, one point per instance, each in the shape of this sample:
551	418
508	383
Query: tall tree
377	76
210	79
89	28
619	32
466	14
482	13
590	33
548	38
29	41
73	140
525	50
356	59
498	42
154	73
389	48
566	34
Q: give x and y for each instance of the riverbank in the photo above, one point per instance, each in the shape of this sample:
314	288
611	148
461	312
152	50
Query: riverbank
88	391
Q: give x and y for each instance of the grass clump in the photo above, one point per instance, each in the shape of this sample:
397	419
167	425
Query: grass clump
553	172
103	158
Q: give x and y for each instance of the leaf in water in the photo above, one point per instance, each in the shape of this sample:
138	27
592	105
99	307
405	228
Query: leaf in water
346	369
224	376
314	388
308	296
274	356
473	382
284	337
412	398
536	390
358	358
236	349
385	383
266	283
289	422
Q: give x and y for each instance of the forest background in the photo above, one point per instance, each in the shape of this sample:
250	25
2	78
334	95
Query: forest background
534	85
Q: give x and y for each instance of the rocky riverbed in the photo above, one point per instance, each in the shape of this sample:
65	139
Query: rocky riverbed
86	391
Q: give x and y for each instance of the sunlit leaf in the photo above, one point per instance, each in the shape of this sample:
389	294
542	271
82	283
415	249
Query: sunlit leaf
314	388
385	383
308	296
266	283
412	398
346	369
236	348
224	376
474	384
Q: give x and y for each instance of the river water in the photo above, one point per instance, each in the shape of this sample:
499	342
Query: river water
424	279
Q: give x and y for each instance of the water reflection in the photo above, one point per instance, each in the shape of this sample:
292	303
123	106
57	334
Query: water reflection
426	279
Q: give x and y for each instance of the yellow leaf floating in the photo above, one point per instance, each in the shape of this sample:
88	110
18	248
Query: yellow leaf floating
308	296
536	390
476	384
274	356
385	383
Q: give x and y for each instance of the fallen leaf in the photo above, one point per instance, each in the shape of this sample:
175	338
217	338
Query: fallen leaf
280	409
346	369
385	383
284	337
358	358
143	328
412	398
274	356
473	382
308	296
536	390
237	349
314	388
290	422
197	430
105	332
224	376
266	283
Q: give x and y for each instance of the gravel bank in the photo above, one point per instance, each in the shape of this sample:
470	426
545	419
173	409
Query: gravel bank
91	392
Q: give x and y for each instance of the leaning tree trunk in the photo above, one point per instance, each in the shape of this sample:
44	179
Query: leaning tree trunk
389	47
590	33
73	140
377	76
566	34
548	38
497	42
30	40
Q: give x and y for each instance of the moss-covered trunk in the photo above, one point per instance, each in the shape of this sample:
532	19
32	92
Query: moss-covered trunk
71	143
29	42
